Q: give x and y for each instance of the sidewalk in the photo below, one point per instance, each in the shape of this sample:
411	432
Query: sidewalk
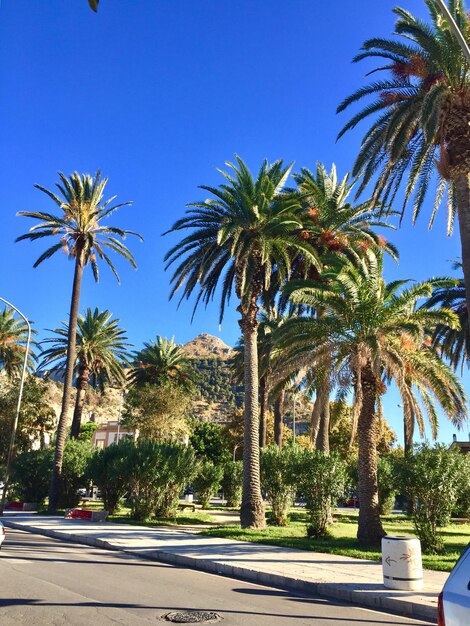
351	580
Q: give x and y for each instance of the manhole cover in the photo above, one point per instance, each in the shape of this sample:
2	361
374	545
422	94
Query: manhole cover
191	617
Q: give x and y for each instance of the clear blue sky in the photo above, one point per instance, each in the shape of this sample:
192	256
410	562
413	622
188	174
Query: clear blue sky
158	94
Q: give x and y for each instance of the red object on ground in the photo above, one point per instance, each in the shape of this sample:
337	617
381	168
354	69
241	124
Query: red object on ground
14	506
79	514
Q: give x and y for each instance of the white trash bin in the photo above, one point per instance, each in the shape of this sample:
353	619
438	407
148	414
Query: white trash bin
188	497
401	563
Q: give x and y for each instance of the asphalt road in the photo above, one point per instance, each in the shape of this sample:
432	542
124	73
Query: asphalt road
45	581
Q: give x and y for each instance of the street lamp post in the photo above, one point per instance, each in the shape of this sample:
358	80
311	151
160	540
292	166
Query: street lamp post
18	406
293	421
238	445
444	9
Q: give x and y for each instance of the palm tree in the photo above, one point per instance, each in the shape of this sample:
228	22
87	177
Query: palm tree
85	240
101	352
452	343
246	233
421	127
372	329
13	339
333	224
336	228
162	361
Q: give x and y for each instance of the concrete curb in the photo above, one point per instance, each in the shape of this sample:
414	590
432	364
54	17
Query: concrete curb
392	602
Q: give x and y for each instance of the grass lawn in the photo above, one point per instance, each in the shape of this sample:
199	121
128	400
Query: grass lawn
343	538
183	518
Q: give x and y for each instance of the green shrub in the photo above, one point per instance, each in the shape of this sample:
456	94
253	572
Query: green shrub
110	473
207	482
277	465
31	475
158	473
321	479
462	505
86	431
232	482
386	484
431	478
74	475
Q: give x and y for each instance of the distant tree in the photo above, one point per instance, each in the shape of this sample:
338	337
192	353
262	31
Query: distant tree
84	238
36	419
160	362
86	431
208	440
101	350
13	337
341	432
158	412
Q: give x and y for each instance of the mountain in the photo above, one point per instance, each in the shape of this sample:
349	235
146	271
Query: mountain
206	346
217	394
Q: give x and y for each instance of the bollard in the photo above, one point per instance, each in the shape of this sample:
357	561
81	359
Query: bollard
401	563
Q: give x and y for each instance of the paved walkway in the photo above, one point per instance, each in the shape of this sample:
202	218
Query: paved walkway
352	580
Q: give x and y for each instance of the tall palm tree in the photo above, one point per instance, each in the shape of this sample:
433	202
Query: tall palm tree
243	235
420	131
101	352
13	339
337	228
373	329
82	236
161	361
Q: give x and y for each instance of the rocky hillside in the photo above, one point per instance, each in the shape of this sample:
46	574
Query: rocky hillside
217	395
206	346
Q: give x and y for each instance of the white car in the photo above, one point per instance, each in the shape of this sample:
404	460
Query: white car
2	534
454	599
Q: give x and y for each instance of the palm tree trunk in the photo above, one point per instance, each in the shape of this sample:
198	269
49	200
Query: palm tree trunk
264	393
462	197
279	417
54	490
82	386
252	508
408	427
321	416
314	424
370	530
